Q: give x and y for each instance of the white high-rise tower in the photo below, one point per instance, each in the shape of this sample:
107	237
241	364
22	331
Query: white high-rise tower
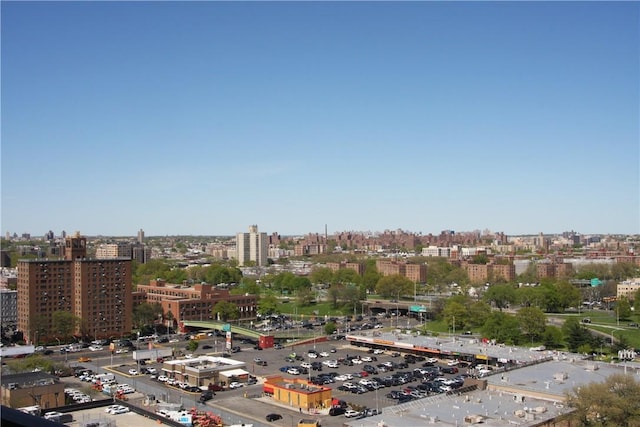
252	246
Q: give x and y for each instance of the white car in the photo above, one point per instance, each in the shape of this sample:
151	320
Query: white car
324	354
312	355
95	347
357	361
306	365
452	362
351	413
122	350
366	359
235	384
110	407
163	378
152	370
378	351
118	409
293	371
133	372
52	415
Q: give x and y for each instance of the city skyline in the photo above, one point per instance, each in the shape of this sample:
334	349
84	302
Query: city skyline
201	118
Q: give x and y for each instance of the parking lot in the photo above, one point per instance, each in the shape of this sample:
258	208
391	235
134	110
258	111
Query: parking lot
356	375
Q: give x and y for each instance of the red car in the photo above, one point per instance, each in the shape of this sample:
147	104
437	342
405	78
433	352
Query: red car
215	387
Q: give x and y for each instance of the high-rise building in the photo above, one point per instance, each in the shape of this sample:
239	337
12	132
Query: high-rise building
8	308
96	291
252	246
141	236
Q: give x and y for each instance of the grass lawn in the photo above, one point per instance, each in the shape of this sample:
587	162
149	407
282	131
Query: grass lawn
319	309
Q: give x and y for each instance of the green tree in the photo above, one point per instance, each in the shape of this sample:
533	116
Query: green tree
347	276
532	322
455	312
500	295
334	293
568	295
502	327
64	323
613	402
552	337
330	328
305	296
146	313
394	286
192	345
636	302
322	275
350	295
575	334
225	310
623	308
268	304
371	276
479	312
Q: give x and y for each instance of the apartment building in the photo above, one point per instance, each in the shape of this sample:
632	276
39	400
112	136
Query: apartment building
8	308
194	302
628	288
414	272
136	251
252	246
97	291
356	266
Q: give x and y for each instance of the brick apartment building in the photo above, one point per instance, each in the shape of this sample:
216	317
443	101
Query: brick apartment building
479	273
414	272
97	291
355	266
193	302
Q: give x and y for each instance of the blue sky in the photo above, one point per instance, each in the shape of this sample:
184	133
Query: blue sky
206	117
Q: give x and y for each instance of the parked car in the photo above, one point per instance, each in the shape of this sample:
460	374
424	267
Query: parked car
133	372
206	395
235	384
273	417
337	410
350	413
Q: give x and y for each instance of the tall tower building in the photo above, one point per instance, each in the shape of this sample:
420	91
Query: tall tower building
141	236
252	246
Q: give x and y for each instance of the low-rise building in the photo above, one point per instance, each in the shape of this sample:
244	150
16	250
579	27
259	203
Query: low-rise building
204	370
297	393
32	388
194	302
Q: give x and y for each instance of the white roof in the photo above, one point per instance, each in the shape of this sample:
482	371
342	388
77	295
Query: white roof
232	372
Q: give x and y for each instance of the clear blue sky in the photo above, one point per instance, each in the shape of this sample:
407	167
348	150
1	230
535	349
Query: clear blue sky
207	117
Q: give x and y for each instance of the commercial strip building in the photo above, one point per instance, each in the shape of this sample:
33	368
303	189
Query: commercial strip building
517	386
469	349
205	370
529	396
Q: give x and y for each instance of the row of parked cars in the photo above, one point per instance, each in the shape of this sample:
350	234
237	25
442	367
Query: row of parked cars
77	396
